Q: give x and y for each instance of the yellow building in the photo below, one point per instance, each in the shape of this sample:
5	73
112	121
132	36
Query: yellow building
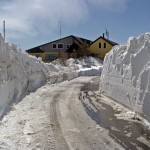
100	47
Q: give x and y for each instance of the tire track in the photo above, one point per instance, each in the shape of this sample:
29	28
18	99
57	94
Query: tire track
54	119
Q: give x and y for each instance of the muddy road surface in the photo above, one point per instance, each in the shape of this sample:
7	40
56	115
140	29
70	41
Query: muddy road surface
71	115
73	128
84	121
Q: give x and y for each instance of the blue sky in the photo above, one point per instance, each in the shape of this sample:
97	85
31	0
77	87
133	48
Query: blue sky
31	23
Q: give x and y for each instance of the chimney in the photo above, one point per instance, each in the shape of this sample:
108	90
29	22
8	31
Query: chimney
103	35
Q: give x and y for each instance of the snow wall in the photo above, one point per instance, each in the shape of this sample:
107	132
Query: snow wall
19	73
126	74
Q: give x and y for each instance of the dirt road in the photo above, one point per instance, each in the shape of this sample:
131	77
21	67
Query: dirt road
68	116
72	126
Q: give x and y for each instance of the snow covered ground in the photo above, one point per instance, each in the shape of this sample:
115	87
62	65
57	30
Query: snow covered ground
86	66
126	74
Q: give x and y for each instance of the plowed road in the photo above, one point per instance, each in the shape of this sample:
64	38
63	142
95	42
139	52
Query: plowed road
69	116
72	127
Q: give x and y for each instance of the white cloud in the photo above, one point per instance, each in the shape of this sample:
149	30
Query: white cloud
31	16
24	17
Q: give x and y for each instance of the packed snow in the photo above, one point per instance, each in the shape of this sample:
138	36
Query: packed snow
86	66
19	74
126	74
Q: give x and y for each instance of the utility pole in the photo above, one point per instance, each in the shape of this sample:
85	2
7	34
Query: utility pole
107	33
4	29
59	29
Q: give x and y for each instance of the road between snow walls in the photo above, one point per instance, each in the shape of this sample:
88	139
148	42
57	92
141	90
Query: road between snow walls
126	74
53	118
49	117
21	74
71	115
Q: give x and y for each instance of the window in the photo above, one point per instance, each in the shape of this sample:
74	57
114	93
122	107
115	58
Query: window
100	45
104	45
60	45
68	45
54	45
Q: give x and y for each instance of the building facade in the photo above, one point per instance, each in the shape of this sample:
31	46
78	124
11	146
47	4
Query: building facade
61	48
100	47
72	47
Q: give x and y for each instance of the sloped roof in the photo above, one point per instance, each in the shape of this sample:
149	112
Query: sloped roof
35	50
107	40
79	39
83	40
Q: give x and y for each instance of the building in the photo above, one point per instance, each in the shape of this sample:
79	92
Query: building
70	46
100	47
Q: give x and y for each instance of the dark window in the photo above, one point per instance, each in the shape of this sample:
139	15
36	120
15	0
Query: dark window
104	45
54	45
68	45
60	45
100	45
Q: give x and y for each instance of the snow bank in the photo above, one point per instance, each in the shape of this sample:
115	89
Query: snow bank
85	66
126	74
93	71
84	62
19	74
62	76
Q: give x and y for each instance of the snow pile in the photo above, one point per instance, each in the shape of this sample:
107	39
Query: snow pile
126	74
86	66
19	74
85	62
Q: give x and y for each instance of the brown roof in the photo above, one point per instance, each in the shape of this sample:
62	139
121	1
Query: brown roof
107	40
79	39
35	50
